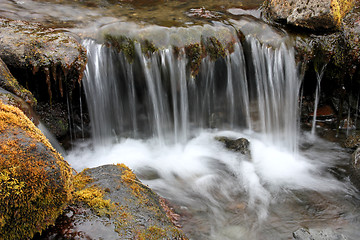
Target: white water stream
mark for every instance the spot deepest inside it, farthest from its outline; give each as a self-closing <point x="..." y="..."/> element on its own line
<point x="165" y="131"/>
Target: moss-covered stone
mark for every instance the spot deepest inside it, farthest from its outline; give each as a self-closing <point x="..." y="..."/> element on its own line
<point x="35" y="181"/>
<point x="317" y="15"/>
<point x="121" y="44"/>
<point x="13" y="100"/>
<point x="197" y="42"/>
<point x="194" y="53"/>
<point x="339" y="9"/>
<point x="121" y="207"/>
<point x="8" y="82"/>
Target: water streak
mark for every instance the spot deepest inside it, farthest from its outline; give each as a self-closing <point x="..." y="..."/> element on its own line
<point x="319" y="76"/>
<point x="158" y="93"/>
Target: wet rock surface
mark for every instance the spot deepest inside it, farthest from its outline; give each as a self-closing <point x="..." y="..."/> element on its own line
<point x="8" y="82"/>
<point x="241" y="145"/>
<point x="352" y="141"/>
<point x="314" y="15"/>
<point x="35" y="181"/>
<point x="111" y="203"/>
<point x="55" y="117"/>
<point x="13" y="100"/>
<point x="356" y="160"/>
<point x="44" y="59"/>
<point x="316" y="234"/>
<point x="355" y="167"/>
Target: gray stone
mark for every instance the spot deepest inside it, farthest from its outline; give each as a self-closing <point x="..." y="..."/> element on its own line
<point x="127" y="209"/>
<point x="316" y="234"/>
<point x="238" y="145"/>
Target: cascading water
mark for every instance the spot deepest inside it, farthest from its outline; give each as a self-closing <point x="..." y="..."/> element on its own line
<point x="171" y="100"/>
<point x="153" y="115"/>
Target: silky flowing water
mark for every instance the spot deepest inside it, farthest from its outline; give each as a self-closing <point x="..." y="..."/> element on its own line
<point x="153" y="115"/>
<point x="166" y="133"/>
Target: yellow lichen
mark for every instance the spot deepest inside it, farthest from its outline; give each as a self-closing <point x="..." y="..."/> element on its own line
<point x="152" y="233"/>
<point x="136" y="186"/>
<point x="94" y="198"/>
<point x="31" y="196"/>
<point x="81" y="180"/>
<point x="340" y="8"/>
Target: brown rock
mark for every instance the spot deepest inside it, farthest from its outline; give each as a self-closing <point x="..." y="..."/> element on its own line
<point x="313" y="15"/>
<point x="56" y="57"/>
<point x="8" y="82"/>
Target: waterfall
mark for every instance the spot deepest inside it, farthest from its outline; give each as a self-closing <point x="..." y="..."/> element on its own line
<point x="319" y="76"/>
<point x="152" y="113"/>
<point x="253" y="88"/>
<point x="277" y="87"/>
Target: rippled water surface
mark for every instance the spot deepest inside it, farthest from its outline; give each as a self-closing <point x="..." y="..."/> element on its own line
<point x="68" y="13"/>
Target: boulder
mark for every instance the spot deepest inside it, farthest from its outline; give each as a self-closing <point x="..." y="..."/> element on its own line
<point x="110" y="202"/>
<point x="238" y="145"/>
<point x="35" y="181"/>
<point x="314" y="15"/>
<point x="47" y="59"/>
<point x="316" y="234"/>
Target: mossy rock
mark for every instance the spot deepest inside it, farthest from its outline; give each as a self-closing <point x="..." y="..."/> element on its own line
<point x="8" y="82"/>
<point x="117" y="205"/>
<point x="35" y="181"/>
<point x="317" y="15"/>
<point x="11" y="99"/>
<point x="43" y="58"/>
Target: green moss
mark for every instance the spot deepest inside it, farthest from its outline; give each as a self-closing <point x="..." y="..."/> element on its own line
<point x="8" y="82"/>
<point x="194" y="54"/>
<point x="122" y="44"/>
<point x="148" y="48"/>
<point x="214" y="48"/>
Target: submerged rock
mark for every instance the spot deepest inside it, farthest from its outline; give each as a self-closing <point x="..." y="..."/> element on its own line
<point x="111" y="203"/>
<point x="315" y="234"/>
<point x="238" y="145"/>
<point x="35" y="181"/>
<point x="313" y="15"/>
<point x="37" y="53"/>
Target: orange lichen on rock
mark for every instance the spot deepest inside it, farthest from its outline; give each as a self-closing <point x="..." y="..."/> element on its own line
<point x="91" y="195"/>
<point x="35" y="181"/>
<point x="135" y="185"/>
<point x="340" y="8"/>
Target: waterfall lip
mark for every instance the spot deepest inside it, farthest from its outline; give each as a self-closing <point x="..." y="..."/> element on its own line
<point x="165" y="37"/>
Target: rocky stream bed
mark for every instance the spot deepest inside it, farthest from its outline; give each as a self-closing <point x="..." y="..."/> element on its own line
<point x="196" y="139"/>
